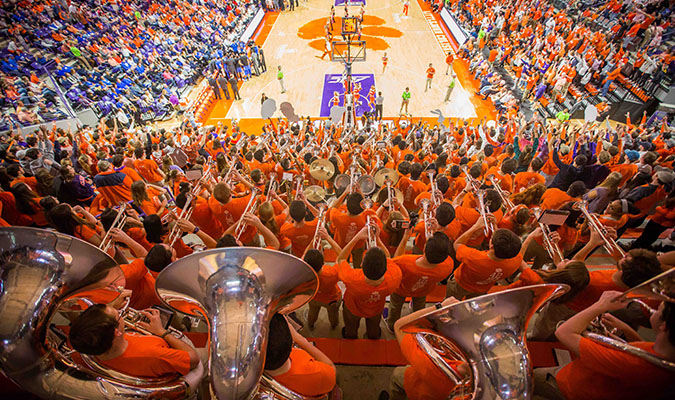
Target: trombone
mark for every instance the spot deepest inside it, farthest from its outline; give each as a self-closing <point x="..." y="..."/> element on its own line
<point x="610" y="245"/>
<point x="321" y="219"/>
<point x="506" y="201"/>
<point x="241" y="225"/>
<point x="552" y="248"/>
<point x="489" y="228"/>
<point x="107" y="243"/>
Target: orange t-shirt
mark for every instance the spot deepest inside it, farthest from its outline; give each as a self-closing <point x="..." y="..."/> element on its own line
<point x="149" y="357"/>
<point x="328" y="291"/>
<point x="523" y="180"/>
<point x="345" y="226"/>
<point x="300" y="237"/>
<point x="417" y="281"/>
<point x="424" y="380"/>
<point x="307" y="376"/>
<point x="141" y="284"/>
<point x="478" y="272"/>
<point x="554" y="198"/>
<point x="228" y="214"/>
<point x="365" y="300"/>
<point x="604" y="373"/>
<point x="430" y="72"/>
<point x="410" y="193"/>
<point x="600" y="281"/>
<point x="148" y="170"/>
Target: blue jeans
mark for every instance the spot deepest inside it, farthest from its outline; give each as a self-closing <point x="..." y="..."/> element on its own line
<point x="605" y="88"/>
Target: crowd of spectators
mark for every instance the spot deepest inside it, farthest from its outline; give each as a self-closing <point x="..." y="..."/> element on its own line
<point x="554" y="54"/>
<point x="132" y="59"/>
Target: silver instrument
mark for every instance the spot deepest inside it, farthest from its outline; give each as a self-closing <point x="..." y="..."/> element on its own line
<point x="551" y="248"/>
<point x="372" y="232"/>
<point x="436" y="195"/>
<point x="321" y="220"/>
<point x="425" y="204"/>
<point x="236" y="290"/>
<point x="661" y="288"/>
<point x="506" y="201"/>
<point x="39" y="272"/>
<point x="488" y="333"/>
<point x="241" y="225"/>
<point x="483" y="209"/>
<point x="610" y="245"/>
<point x="120" y="220"/>
<point x="298" y="186"/>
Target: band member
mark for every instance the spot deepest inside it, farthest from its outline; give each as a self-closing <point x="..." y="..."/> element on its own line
<point x="303" y="369"/>
<point x="99" y="331"/>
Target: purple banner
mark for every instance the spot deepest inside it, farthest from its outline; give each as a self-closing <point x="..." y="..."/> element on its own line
<point x="333" y="83"/>
<point x="349" y="2"/>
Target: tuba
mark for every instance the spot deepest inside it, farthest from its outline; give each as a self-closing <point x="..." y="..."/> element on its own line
<point x="488" y="332"/>
<point x="237" y="290"/>
<point x="40" y="271"/>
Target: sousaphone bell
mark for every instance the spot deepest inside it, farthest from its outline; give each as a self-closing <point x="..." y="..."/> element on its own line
<point x="488" y="332"/>
<point x="237" y="290"/>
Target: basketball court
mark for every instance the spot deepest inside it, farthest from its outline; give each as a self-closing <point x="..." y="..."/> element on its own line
<point x="294" y="40"/>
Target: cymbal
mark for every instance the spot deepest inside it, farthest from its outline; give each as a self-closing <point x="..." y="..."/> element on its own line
<point x="321" y="169"/>
<point x="383" y="174"/>
<point x="315" y="193"/>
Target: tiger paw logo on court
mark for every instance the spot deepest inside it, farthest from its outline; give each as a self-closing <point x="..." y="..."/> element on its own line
<point x="373" y="32"/>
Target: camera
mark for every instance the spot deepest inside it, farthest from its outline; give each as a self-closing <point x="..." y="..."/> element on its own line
<point x="401" y="224"/>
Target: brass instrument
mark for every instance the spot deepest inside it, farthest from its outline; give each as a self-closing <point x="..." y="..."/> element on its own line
<point x="241" y="225"/>
<point x="372" y="232"/>
<point x="42" y="271"/>
<point x="298" y="186"/>
<point x="488" y="333"/>
<point x="273" y="186"/>
<point x="236" y="290"/>
<point x="425" y="204"/>
<point x="436" y="195"/>
<point x="471" y="182"/>
<point x="551" y="248"/>
<point x="610" y="245"/>
<point x="321" y="220"/>
<point x="483" y="209"/>
<point x="390" y="196"/>
<point x="120" y="220"/>
<point x="506" y="201"/>
<point x="661" y="288"/>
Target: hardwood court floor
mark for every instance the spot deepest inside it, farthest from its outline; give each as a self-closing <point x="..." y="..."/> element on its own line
<point x="295" y="42"/>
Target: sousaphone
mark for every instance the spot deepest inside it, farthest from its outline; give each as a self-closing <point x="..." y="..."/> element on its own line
<point x="237" y="290"/>
<point x="40" y="271"/>
<point x="488" y="332"/>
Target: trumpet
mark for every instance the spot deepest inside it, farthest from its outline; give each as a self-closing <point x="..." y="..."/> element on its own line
<point x="426" y="213"/>
<point x="506" y="201"/>
<point x="489" y="228"/>
<point x="273" y="186"/>
<point x="354" y="175"/>
<point x="107" y="243"/>
<point x="298" y="186"/>
<point x="390" y="196"/>
<point x="471" y="182"/>
<point x="436" y="196"/>
<point x="610" y="245"/>
<point x="316" y="241"/>
<point x="372" y="231"/>
<point x="185" y="213"/>
<point x="241" y="225"/>
<point x="552" y="249"/>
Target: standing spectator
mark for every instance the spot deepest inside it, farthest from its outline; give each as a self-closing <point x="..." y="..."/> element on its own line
<point x="222" y="82"/>
<point x="234" y="87"/>
<point x="449" y="59"/>
<point x="430" y="75"/>
<point x="379" y="102"/>
<point x="280" y="77"/>
<point x="405" y="100"/>
<point x="451" y="87"/>
<point x="214" y="86"/>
